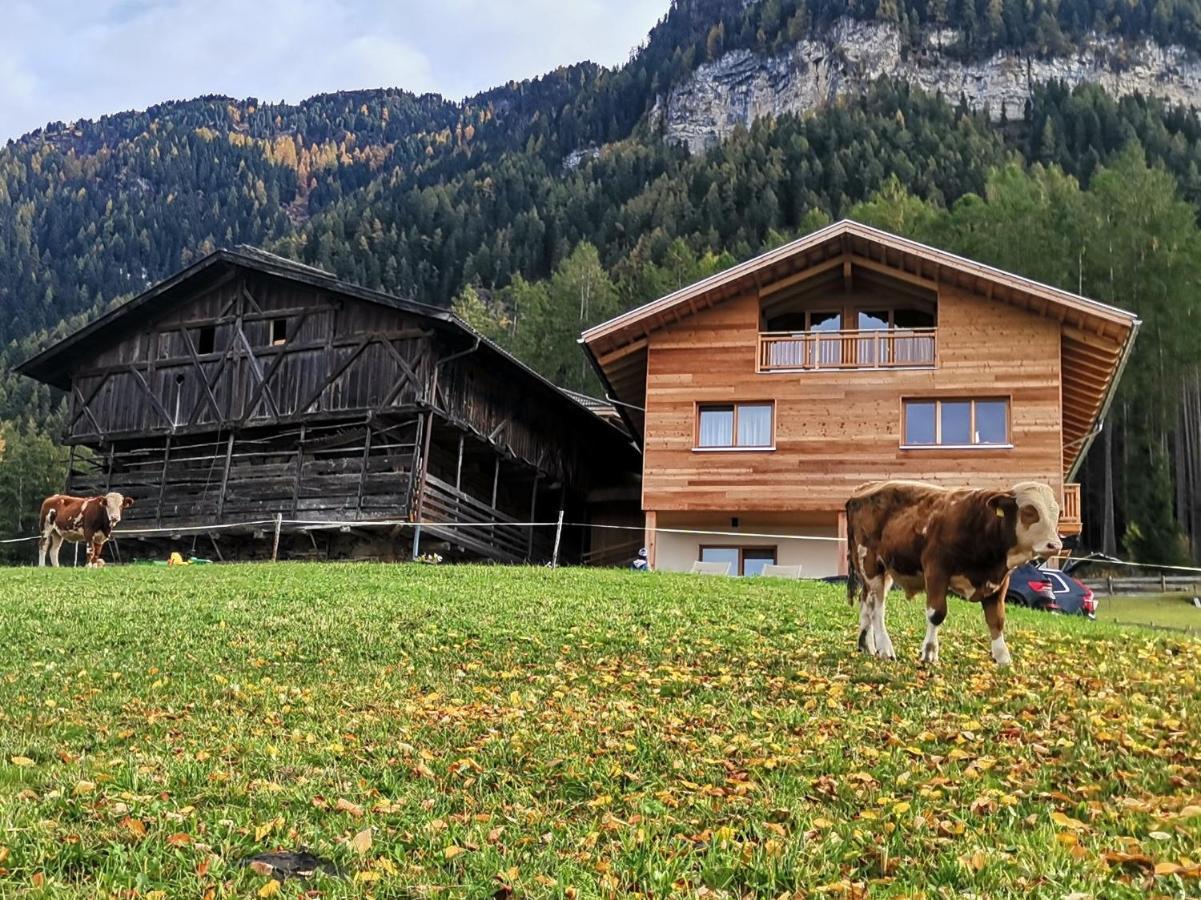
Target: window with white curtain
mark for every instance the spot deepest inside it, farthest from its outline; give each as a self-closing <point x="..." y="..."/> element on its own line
<point x="735" y="425"/>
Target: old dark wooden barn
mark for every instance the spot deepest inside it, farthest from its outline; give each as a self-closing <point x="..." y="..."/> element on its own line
<point x="248" y="387"/>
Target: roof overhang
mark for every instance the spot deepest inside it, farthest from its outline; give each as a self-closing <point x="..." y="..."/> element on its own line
<point x="54" y="364"/>
<point x="1096" y="338"/>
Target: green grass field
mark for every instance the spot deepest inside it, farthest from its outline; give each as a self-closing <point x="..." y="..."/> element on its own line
<point x="476" y="731"/>
<point x="1158" y="610"/>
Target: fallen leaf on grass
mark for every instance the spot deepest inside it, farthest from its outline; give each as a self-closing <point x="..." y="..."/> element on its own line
<point x="344" y="805"/>
<point x="136" y="827"/>
<point x="452" y="851"/>
<point x="23" y="761"/>
<point x="1067" y="822"/>
<point x="270" y="889"/>
<point x="1133" y="860"/>
<point x="179" y="839"/>
<point x="1171" y="868"/>
<point x="361" y="842"/>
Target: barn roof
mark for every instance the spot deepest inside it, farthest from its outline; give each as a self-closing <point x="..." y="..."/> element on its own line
<point x="1096" y="338"/>
<point x="53" y="365"/>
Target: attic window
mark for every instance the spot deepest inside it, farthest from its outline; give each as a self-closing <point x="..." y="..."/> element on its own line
<point x="279" y="332"/>
<point x="206" y="341"/>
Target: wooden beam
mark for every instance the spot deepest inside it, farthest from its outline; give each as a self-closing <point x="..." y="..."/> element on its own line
<point x="229" y="452"/>
<point x="529" y="550"/>
<point x="299" y="470"/>
<point x="70" y="468"/>
<point x="773" y="287"/>
<point x="651" y="537"/>
<point x="336" y="373"/>
<point x="871" y="265"/>
<point x="263" y="387"/>
<point x="621" y="352"/>
<point x="208" y="390"/>
<point x="83" y="405"/>
<point x="256" y="370"/>
<point x="162" y="411"/>
<point x="162" y="481"/>
<point x="358" y="503"/>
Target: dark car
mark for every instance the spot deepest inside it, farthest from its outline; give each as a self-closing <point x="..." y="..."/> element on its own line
<point x="1050" y="590"/>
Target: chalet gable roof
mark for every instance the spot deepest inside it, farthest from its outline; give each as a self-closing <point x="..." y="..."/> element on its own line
<point x="53" y="365"/>
<point x="1096" y="337"/>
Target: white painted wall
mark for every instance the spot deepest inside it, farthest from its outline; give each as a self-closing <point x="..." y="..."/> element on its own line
<point x="818" y="559"/>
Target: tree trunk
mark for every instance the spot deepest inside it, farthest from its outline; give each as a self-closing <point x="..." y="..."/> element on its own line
<point x="1109" y="536"/>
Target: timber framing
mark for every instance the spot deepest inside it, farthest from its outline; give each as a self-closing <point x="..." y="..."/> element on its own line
<point x="1096" y="339"/>
<point x="248" y="386"/>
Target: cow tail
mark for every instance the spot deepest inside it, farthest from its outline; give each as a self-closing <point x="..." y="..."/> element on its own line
<point x="853" y="583"/>
<point x="51" y="517"/>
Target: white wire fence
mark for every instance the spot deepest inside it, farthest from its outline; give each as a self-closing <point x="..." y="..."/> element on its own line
<point x="278" y="524"/>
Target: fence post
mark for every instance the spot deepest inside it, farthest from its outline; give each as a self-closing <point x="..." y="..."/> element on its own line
<point x="554" y="560"/>
<point x="1109" y="584"/>
<point x="1163" y="583"/>
<point x="279" y="521"/>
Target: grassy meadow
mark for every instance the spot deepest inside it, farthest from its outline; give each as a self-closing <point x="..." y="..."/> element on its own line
<point x="494" y="732"/>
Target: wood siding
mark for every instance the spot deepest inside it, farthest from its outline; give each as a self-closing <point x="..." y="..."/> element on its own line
<point x="835" y="430"/>
<point x="245" y="395"/>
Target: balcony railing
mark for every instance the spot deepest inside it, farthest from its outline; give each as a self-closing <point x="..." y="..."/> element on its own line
<point x="1069" y="513"/>
<point x="884" y="348"/>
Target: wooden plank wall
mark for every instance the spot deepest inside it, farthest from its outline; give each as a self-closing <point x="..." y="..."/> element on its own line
<point x="323" y="474"/>
<point x="338" y="358"/>
<point x="836" y="430"/>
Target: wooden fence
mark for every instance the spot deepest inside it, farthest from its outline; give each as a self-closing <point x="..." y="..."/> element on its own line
<point x="1115" y="585"/>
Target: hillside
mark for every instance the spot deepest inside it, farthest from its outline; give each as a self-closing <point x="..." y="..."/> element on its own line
<point x="735" y="126"/>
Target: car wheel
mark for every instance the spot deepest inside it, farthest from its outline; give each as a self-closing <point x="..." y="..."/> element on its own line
<point x="1015" y="599"/>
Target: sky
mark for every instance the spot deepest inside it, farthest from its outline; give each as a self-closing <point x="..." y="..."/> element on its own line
<point x="62" y="60"/>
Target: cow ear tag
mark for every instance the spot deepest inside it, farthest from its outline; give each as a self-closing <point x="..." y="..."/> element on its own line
<point x="1000" y="513"/>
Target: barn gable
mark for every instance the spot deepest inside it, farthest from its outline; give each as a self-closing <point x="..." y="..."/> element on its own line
<point x="249" y="385"/>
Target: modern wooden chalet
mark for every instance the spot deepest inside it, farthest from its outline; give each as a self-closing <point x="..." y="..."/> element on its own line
<point x="248" y="387"/>
<point x="764" y="395"/>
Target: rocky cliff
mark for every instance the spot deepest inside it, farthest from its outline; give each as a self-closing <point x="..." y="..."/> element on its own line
<point x="739" y="86"/>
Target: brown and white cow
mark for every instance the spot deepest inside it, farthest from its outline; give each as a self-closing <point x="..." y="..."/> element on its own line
<point x="87" y="519"/>
<point x="935" y="539"/>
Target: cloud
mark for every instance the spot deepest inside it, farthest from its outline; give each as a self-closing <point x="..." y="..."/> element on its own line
<point x="69" y="59"/>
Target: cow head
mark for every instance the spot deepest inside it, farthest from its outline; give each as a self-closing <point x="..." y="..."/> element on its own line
<point x="114" y="505"/>
<point x="1036" y="514"/>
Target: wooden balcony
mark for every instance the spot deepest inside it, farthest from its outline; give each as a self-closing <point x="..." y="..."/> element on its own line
<point x="1070" y="522"/>
<point x="806" y="351"/>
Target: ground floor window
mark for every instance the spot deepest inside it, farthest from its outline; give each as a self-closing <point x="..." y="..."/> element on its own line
<point x="742" y="560"/>
<point x="966" y="422"/>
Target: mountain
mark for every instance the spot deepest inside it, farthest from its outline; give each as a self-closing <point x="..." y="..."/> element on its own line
<point x="737" y="124"/>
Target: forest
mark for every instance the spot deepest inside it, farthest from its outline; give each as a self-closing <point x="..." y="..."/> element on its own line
<point x="541" y="207"/>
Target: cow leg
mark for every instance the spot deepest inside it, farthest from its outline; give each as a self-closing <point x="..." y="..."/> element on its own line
<point x="95" y="547"/>
<point x="43" y="548"/>
<point x="867" y="634"/>
<point x="873" y="639"/>
<point x="936" y="612"/>
<point x="56" y="544"/>
<point x="883" y="641"/>
<point x="994" y="615"/>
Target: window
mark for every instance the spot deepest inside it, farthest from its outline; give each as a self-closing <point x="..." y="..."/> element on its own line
<point x="956" y="423"/>
<point x="734" y="426"/>
<point x="742" y="560"/>
<point x="206" y="340"/>
<point x="279" y="332"/>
